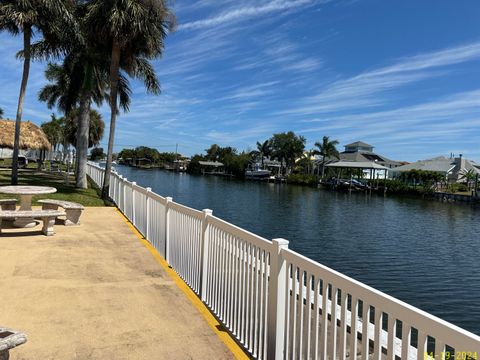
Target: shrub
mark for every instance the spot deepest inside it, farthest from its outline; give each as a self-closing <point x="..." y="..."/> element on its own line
<point x="302" y="179"/>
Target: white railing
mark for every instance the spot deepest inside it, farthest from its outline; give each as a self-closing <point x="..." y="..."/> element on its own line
<point x="279" y="304"/>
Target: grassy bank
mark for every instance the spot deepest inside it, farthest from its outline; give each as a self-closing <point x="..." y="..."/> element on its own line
<point x="86" y="197"/>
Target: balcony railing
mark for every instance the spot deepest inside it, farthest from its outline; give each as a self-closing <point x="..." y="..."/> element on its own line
<point x="277" y="303"/>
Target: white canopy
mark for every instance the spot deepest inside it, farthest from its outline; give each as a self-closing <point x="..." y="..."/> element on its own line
<point x="357" y="165"/>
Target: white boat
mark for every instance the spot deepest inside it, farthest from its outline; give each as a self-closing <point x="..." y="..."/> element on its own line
<point x="256" y="172"/>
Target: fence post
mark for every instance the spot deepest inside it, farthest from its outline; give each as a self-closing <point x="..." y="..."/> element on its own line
<point x="133" y="220"/>
<point x="147" y="212"/>
<point x="119" y="192"/>
<point x="111" y="186"/>
<point x="204" y="254"/>
<point x="276" y="300"/>
<point x="124" y="198"/>
<point x="167" y="229"/>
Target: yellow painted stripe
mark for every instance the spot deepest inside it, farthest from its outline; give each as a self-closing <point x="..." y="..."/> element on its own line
<point x="232" y="345"/>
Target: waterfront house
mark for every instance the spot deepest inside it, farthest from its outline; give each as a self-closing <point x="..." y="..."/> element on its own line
<point x="361" y="152"/>
<point x="452" y="168"/>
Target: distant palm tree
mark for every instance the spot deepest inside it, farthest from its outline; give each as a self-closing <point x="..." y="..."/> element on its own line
<point x="469" y="176"/>
<point x="326" y="148"/>
<point x="264" y="149"/>
<point x="25" y="17"/>
<point x="307" y="157"/>
<point x="53" y="129"/>
<point x="134" y="30"/>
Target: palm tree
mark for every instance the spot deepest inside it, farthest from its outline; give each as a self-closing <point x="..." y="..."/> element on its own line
<point x="307" y="157"/>
<point x="81" y="79"/>
<point x="95" y="130"/>
<point x="134" y="31"/>
<point x="25" y="17"/>
<point x="264" y="149"/>
<point x="54" y="131"/>
<point x="327" y="148"/>
<point x="287" y="147"/>
<point x="469" y="176"/>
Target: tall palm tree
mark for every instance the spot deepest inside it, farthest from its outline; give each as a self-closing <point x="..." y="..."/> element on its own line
<point x="264" y="149"/>
<point x="26" y="17"/>
<point x="134" y="31"/>
<point x="327" y="148"/>
<point x="81" y="79"/>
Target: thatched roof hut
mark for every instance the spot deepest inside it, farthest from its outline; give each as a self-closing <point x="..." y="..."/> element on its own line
<point x="31" y="136"/>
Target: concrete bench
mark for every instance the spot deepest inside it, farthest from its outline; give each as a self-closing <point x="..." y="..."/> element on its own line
<point x="8" y="340"/>
<point x="8" y="204"/>
<point x="47" y="216"/>
<point x="73" y="210"/>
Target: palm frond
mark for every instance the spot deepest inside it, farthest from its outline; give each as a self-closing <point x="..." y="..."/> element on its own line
<point x="143" y="70"/>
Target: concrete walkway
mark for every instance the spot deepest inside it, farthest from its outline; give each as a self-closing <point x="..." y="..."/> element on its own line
<point x="95" y="292"/>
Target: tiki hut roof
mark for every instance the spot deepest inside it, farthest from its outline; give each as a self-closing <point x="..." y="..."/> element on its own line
<point x="31" y="136"/>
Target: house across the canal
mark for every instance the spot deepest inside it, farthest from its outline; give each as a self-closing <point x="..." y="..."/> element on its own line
<point x="454" y="168"/>
<point x="362" y="153"/>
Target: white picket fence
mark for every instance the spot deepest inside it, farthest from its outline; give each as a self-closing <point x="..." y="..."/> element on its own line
<point x="277" y="303"/>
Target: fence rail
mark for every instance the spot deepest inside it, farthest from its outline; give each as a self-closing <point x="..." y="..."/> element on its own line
<point x="277" y="303"/>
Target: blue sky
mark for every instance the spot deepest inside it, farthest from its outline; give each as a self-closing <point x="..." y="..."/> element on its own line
<point x="403" y="76"/>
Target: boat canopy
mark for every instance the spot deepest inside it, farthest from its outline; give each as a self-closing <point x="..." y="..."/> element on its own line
<point x="357" y="165"/>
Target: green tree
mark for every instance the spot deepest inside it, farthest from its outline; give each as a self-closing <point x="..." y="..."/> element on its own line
<point x="97" y="154"/>
<point x="306" y="161"/>
<point x="134" y="31"/>
<point x="326" y="149"/>
<point x="81" y="79"/>
<point x="1" y="112"/>
<point x="264" y="149"/>
<point x="213" y="152"/>
<point x="470" y="177"/>
<point x="194" y="166"/>
<point x="54" y="130"/>
<point x="27" y="17"/>
<point x="287" y="147"/>
<point x="95" y="132"/>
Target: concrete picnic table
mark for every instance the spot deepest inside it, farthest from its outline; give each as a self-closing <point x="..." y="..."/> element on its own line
<point x="26" y="192"/>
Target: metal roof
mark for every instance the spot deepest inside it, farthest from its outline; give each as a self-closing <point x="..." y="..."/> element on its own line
<point x="439" y="164"/>
<point x="357" y="165"/>
<point x="210" y="163"/>
<point x="359" y="143"/>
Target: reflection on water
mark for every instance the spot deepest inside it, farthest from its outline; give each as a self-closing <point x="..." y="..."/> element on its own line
<point x="423" y="252"/>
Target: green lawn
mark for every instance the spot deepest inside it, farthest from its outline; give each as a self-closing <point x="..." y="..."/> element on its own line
<point x="88" y="197"/>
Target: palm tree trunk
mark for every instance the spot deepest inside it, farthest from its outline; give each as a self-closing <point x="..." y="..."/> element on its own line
<point x="114" y="75"/>
<point x="27" y="36"/>
<point x="323" y="166"/>
<point x="82" y="141"/>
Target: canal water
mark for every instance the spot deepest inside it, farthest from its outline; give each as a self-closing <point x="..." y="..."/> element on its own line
<point x="423" y="252"/>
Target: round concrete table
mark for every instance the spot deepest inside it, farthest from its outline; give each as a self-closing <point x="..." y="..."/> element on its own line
<point x="26" y="193"/>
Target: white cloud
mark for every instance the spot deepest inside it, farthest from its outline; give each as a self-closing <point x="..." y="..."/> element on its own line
<point x="245" y="12"/>
<point x="446" y="122"/>
<point x="368" y="89"/>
